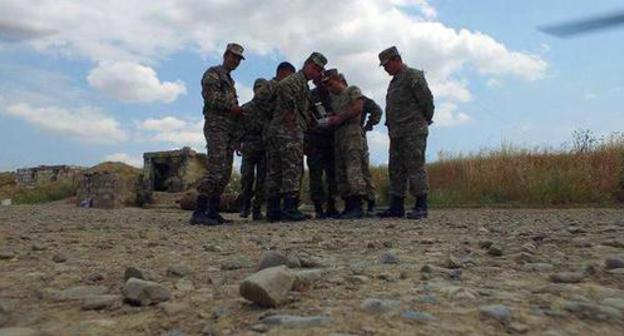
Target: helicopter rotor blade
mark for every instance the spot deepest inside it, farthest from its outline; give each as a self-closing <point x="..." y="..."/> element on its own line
<point x="572" y="28"/>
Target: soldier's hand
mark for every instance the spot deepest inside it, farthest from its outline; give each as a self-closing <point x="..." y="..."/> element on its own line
<point x="334" y="121"/>
<point x="236" y="110"/>
<point x="323" y="122"/>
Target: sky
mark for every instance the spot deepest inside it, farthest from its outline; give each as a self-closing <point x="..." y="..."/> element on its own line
<point x="82" y="82"/>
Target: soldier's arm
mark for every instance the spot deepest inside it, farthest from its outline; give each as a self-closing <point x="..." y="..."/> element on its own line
<point x="214" y="97"/>
<point x="423" y="94"/>
<point x="288" y="105"/>
<point x="374" y="112"/>
<point x="353" y="110"/>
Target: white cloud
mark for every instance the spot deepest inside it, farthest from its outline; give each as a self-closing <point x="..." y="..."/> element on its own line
<point x="446" y="115"/>
<point x="173" y="131"/>
<point x="85" y="123"/>
<point x="378" y="145"/>
<point x="353" y="32"/>
<point x="494" y="83"/>
<point x="135" y="161"/>
<point x="133" y="83"/>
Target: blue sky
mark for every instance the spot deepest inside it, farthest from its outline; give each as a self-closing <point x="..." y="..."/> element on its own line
<point x="81" y="82"/>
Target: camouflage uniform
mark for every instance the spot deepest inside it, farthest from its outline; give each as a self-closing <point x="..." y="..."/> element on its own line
<point x="219" y="129"/>
<point x="350" y="147"/>
<point x="374" y="112"/>
<point x="319" y="144"/>
<point x="253" y="165"/>
<point x="409" y="109"/>
<point x="285" y="135"/>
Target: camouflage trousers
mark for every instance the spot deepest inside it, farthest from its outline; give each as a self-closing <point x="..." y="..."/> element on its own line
<point x="320" y="162"/>
<point x="219" y="143"/>
<point x="407" y="164"/>
<point x="253" y="169"/>
<point x="284" y="164"/>
<point x="371" y="192"/>
<point x="349" y="146"/>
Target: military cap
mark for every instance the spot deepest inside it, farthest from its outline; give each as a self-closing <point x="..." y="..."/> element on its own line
<point x="318" y="59"/>
<point x="329" y="74"/>
<point x="259" y="82"/>
<point x="387" y="54"/>
<point x="235" y="49"/>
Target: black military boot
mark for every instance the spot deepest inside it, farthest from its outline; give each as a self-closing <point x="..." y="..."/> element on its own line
<point x="200" y="215"/>
<point x="291" y="213"/>
<point x="274" y="209"/>
<point x="355" y="208"/>
<point x="420" y="208"/>
<point x="396" y="209"/>
<point x="256" y="214"/>
<point x="213" y="210"/>
<point x="331" y="208"/>
<point x="370" y="210"/>
<point x="318" y="210"/>
<point x="244" y="213"/>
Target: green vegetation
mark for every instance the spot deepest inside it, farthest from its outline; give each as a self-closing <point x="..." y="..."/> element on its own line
<point x="44" y="193"/>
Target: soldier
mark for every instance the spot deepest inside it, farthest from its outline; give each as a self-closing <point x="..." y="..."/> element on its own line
<point x="256" y="117"/>
<point x="285" y="140"/>
<point x="347" y="104"/>
<point x="409" y="112"/>
<point x="373" y="112"/>
<point x="319" y="151"/>
<point x="220" y="112"/>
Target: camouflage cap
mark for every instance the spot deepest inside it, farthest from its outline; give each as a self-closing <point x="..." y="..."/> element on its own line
<point x="318" y="59"/>
<point x="387" y="54"/>
<point x="235" y="49"/>
<point x="259" y="82"/>
<point x="329" y="74"/>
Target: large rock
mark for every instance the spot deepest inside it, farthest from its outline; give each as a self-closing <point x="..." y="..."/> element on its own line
<point x="142" y="293"/>
<point x="269" y="287"/>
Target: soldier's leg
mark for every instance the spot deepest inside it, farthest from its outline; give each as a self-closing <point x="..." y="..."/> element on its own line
<point x="247" y="181"/>
<point x="355" y="179"/>
<point x="260" y="190"/>
<point x="291" y="157"/>
<point x="368" y="179"/>
<point x="211" y="186"/>
<point x="330" y="179"/>
<point x="398" y="180"/>
<point x="416" y="144"/>
<point x="273" y="181"/>
<point x="315" y="171"/>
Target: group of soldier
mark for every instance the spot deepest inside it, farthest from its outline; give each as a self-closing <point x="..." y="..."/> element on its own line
<point x="286" y="121"/>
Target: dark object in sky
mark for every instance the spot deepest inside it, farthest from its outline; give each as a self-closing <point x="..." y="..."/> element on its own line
<point x="568" y="29"/>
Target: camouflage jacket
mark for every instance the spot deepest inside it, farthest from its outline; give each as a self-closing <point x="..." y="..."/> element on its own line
<point x="350" y="127"/>
<point x="409" y="103"/>
<point x="219" y="95"/>
<point x="291" y="116"/>
<point x="318" y="137"/>
<point x="372" y="110"/>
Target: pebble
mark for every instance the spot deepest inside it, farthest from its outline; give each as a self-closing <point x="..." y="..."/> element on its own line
<point x="453" y="262"/>
<point x="143" y="293"/>
<point x="38" y="246"/>
<point x="518" y="328"/>
<point x="380" y="306"/>
<point x="178" y="271"/>
<point x="418" y="316"/>
<point x="567" y="277"/>
<point x="135" y="272"/>
<point x="173" y="308"/>
<point x="269" y="287"/>
<point x="231" y="265"/>
<point x="358" y="279"/>
<point x="613" y="262"/>
<point x="293" y="321"/>
<point x="389" y="258"/>
<point x="592" y="311"/>
<point x="499" y="313"/>
<point x="495" y="251"/>
<point x="307" y="277"/>
<point x="94" y="277"/>
<point x="99" y="302"/>
<point x="272" y="259"/>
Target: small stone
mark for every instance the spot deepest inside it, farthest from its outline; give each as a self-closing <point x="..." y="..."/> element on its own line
<point x="59" y="258"/>
<point x="95" y="277"/>
<point x="135" y="272"/>
<point x="380" y="306"/>
<point x="358" y="279"/>
<point x="99" y="302"/>
<point x="178" y="271"/>
<point x="614" y="262"/>
<point x="538" y="267"/>
<point x="495" y="251"/>
<point x="259" y="328"/>
<point x="272" y="259"/>
<point x="306" y="278"/>
<point x="307" y="261"/>
<point x="576" y="230"/>
<point x="463" y="294"/>
<point x="567" y="277"/>
<point x="529" y="248"/>
<point x="38" y="246"/>
<point x="269" y="287"/>
<point x="358" y="268"/>
<point x="184" y="285"/>
<point x="292" y="321"/>
<point x="173" y="308"/>
<point x="17" y="331"/>
<point x="6" y="254"/>
<point x="499" y="313"/>
<point x="518" y="328"/>
<point x="212" y="248"/>
<point x="453" y="263"/>
<point x="142" y="293"/>
<point x="418" y="316"/>
<point x="389" y="258"/>
<point x="592" y="311"/>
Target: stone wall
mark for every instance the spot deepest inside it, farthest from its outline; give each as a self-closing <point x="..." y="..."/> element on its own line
<point x="33" y="177"/>
<point x="106" y="190"/>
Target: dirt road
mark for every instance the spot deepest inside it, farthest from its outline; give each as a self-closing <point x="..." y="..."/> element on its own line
<point x="461" y="272"/>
